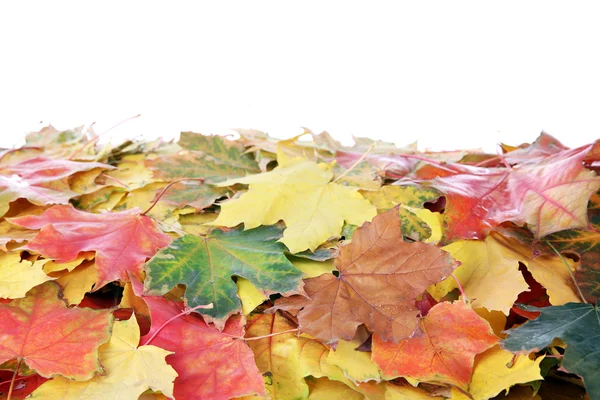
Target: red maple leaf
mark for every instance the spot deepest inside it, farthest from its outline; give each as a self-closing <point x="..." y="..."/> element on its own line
<point x="548" y="194"/>
<point x="442" y="351"/>
<point x="211" y="364"/>
<point x="122" y="240"/>
<point x="40" y="180"/>
<point x="50" y="337"/>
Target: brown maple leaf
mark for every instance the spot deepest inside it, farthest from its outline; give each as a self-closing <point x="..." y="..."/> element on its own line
<point x="380" y="277"/>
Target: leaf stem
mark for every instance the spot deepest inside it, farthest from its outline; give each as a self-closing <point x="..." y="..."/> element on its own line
<point x="165" y="189"/>
<point x="12" y="381"/>
<point x="356" y="162"/>
<point x="185" y="312"/>
<point x="568" y="269"/>
<point x="480" y="163"/>
<point x="94" y="140"/>
<point x="114" y="179"/>
<point x="270" y="335"/>
<point x="462" y="291"/>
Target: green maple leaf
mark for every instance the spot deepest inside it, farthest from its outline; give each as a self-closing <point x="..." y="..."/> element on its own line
<point x="208" y="157"/>
<point x="206" y="266"/>
<point x="578" y="325"/>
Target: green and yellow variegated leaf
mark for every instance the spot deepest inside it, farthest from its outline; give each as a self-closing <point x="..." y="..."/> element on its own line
<point x="209" y="157"/>
<point x="408" y="196"/>
<point x="206" y="266"/>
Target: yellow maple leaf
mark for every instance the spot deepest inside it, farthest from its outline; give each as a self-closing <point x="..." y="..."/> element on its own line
<point x="490" y="276"/>
<point x="249" y="295"/>
<point x="78" y="282"/>
<point x="300" y="194"/>
<point x="130" y="370"/>
<point x="495" y="371"/>
<point x="285" y="360"/>
<point x="18" y="276"/>
<point x="357" y="365"/>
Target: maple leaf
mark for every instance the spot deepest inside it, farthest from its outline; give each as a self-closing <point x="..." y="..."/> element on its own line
<point x="443" y="350"/>
<point x="497" y="370"/>
<point x="586" y="245"/>
<point x="77" y="283"/>
<point x="544" y="146"/>
<point x="122" y="240"/>
<point x="12" y="233"/>
<point x="548" y="194"/>
<point x="206" y="266"/>
<point x="227" y="368"/>
<point x="18" y="276"/>
<point x="129" y="370"/>
<point x="392" y="166"/>
<point x="287" y="361"/>
<point x="198" y="196"/>
<point x="491" y="278"/>
<point x="51" y="338"/>
<point x="577" y="325"/>
<point x="210" y="157"/>
<point x="301" y="195"/>
<point x="380" y="277"/>
<point x="40" y="180"/>
<point x="409" y="197"/>
<point x="554" y="192"/>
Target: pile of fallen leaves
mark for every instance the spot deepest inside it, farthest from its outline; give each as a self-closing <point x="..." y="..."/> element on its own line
<point x="215" y="269"/>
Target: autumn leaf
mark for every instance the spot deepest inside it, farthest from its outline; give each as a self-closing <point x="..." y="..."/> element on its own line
<point x="585" y="244"/>
<point x="442" y="351"/>
<point x="548" y="195"/>
<point x="122" y="240"/>
<point x="10" y="233"/>
<point x="388" y="165"/>
<point x="380" y="277"/>
<point x="209" y="157"/>
<point x="206" y="266"/>
<point x="287" y="361"/>
<point x="491" y="278"/>
<point x="210" y="363"/>
<point x="51" y="338"/>
<point x="199" y="196"/>
<point x="301" y="195"/>
<point x="40" y="180"/>
<point x="575" y="324"/>
<point x="497" y="370"/>
<point x="129" y="370"/>
<point x="77" y="283"/>
<point x="554" y="192"/>
<point x="488" y="278"/>
<point x="409" y="197"/>
<point x="544" y="146"/>
<point x="18" y="276"/>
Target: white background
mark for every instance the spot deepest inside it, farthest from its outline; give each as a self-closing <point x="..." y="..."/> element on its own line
<point x="448" y="74"/>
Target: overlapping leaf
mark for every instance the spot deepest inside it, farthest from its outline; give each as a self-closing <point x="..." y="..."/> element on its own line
<point x="209" y="157"/>
<point x="40" y="180"/>
<point x="122" y="240"/>
<point x="577" y="325"/>
<point x="206" y="266"/>
<point x="51" y="338"/>
<point x="380" y="277"/>
<point x="129" y="370"/>
<point x="443" y="350"/>
<point x="209" y="363"/>
<point x="300" y="194"/>
<point x="548" y="195"/>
